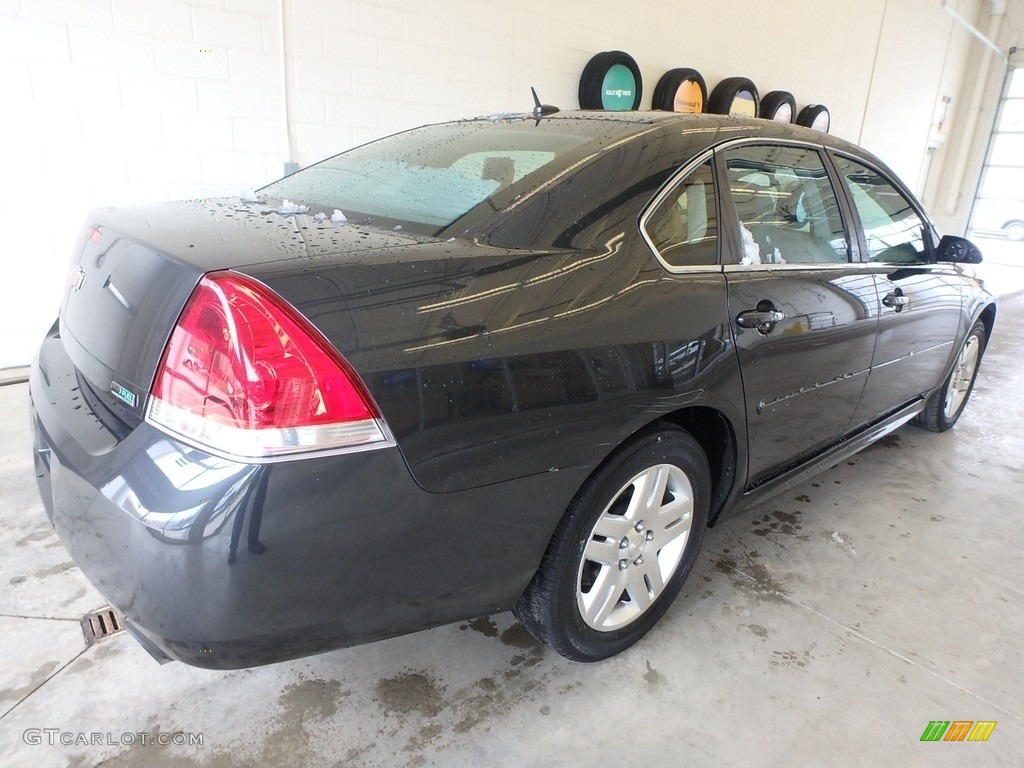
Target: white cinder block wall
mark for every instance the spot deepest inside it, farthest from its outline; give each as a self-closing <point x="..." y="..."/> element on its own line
<point x="112" y="102"/>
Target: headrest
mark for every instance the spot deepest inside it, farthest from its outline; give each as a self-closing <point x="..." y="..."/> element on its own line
<point x="753" y="203"/>
<point x="500" y="169"/>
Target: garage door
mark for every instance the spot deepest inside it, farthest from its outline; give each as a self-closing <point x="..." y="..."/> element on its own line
<point x="999" y="206"/>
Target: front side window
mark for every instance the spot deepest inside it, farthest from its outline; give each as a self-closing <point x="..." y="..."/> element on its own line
<point x="893" y="230"/>
<point x="683" y="228"/>
<point x="786" y="206"/>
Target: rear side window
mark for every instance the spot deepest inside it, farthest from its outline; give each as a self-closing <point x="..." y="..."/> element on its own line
<point x="893" y="230"/>
<point x="683" y="228"/>
<point x="787" y="208"/>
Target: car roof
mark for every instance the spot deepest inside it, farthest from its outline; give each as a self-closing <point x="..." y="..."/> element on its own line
<point x="719" y="128"/>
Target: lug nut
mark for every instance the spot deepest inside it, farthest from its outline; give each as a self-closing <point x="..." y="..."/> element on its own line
<point x="639" y="527"/>
<point x="624" y="544"/>
<point x="623" y="564"/>
<point x="639" y="560"/>
<point x="650" y="535"/>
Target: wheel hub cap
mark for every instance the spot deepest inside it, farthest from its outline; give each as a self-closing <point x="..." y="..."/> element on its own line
<point x="635" y="547"/>
<point x="635" y="544"/>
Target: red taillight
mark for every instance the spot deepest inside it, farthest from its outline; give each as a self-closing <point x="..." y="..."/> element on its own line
<point x="245" y="375"/>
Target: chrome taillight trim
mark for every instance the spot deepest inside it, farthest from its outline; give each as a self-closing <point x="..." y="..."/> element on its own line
<point x="266" y="446"/>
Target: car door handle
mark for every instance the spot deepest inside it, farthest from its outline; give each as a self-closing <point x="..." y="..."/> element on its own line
<point x="761" y="319"/>
<point x="896" y="299"/>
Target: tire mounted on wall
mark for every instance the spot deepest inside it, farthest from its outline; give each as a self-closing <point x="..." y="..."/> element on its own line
<point x="778" y="106"/>
<point x="611" y="80"/>
<point x="681" y="90"/>
<point x="734" y="96"/>
<point x="815" y="116"/>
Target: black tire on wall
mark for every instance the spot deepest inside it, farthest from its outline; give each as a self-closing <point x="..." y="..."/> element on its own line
<point x="778" y="106"/>
<point x="608" y="72"/>
<point x="679" y="89"/>
<point x="734" y="96"/>
<point x="815" y="116"/>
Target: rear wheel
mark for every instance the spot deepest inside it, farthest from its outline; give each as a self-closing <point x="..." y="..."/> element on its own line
<point x="622" y="551"/>
<point x="947" y="402"/>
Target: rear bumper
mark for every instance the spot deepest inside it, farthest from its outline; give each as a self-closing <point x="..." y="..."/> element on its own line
<point x="225" y="565"/>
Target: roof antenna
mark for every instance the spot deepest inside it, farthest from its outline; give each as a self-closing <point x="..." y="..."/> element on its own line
<point x="541" y="110"/>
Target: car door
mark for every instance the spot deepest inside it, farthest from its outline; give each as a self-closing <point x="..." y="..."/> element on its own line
<point x="802" y="314"/>
<point x="919" y="300"/>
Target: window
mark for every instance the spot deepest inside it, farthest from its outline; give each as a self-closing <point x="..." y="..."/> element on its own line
<point x="683" y="228"/>
<point x="894" y="232"/>
<point x="787" y="208"/>
<point x="999" y="206"/>
<point x="426" y="179"/>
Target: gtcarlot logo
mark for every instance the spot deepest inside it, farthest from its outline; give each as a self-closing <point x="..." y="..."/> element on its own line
<point x="54" y="736"/>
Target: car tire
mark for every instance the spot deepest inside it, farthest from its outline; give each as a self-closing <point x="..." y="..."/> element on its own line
<point x="680" y="84"/>
<point x="778" y="106"/>
<point x="592" y="81"/>
<point x="614" y="567"/>
<point x="728" y="92"/>
<point x="948" y="401"/>
<point x="815" y="116"/>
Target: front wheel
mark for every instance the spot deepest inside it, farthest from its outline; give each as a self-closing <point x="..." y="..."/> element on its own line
<point x="622" y="551"/>
<point x="947" y="402"/>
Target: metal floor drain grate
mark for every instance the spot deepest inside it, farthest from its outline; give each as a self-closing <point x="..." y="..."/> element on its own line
<point x="101" y="624"/>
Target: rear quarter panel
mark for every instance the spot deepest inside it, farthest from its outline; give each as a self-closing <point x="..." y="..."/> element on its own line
<point x="495" y="365"/>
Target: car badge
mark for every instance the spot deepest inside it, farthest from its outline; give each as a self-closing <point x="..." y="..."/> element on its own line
<point x="123" y="393"/>
<point x="77" y="279"/>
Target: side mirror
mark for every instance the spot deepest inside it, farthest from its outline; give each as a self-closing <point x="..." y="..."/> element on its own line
<point x="958" y="250"/>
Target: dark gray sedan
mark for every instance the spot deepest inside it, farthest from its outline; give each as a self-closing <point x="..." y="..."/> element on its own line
<point x="517" y="362"/>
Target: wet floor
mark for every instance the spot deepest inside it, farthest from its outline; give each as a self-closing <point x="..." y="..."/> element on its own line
<point x="829" y="626"/>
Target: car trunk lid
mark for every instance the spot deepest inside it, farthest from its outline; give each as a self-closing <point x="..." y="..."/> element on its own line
<point x="136" y="268"/>
<point x="119" y="307"/>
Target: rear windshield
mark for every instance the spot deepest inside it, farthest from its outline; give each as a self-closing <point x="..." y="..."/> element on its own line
<point x="428" y="178"/>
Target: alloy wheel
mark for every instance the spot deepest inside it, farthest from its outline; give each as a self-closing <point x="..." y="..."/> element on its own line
<point x="635" y="547"/>
<point x="963" y="375"/>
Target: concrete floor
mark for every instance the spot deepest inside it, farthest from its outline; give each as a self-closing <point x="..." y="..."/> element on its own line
<point x="827" y="627"/>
